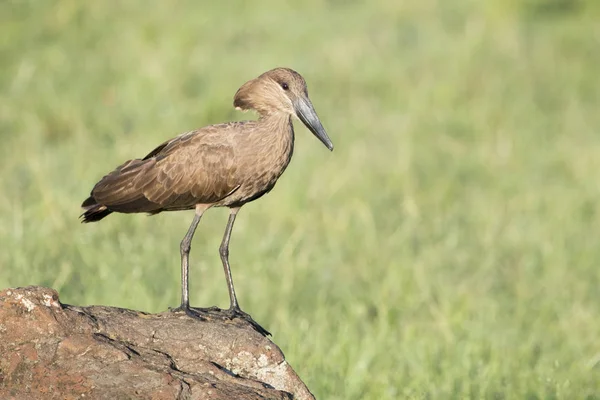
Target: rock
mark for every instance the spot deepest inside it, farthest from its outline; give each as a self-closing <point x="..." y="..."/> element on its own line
<point x="50" y="350"/>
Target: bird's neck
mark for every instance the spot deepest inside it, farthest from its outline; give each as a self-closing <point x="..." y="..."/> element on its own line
<point x="276" y="133"/>
<point x="278" y="124"/>
<point x="274" y="119"/>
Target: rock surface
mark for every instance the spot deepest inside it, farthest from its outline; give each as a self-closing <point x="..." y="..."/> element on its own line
<point x="49" y="350"/>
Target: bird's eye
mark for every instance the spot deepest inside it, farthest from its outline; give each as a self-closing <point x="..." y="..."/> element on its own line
<point x="285" y="86"/>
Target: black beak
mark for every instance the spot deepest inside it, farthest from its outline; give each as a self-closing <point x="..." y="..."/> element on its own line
<point x="307" y="114"/>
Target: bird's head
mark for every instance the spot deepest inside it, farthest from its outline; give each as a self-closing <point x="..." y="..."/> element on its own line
<point x="281" y="90"/>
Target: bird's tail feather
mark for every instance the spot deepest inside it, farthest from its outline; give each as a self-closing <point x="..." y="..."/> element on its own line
<point x="93" y="211"/>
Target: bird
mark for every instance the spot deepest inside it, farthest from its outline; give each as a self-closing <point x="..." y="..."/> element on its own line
<point x="222" y="165"/>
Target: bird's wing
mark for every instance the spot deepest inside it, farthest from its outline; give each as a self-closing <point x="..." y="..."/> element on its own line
<point x="195" y="167"/>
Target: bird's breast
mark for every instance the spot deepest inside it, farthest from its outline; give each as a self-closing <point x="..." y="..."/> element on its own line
<point x="261" y="164"/>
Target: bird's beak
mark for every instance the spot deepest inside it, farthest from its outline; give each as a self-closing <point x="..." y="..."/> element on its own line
<point x="307" y="114"/>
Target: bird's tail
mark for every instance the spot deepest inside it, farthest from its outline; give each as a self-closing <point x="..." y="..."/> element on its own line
<point x="93" y="211"/>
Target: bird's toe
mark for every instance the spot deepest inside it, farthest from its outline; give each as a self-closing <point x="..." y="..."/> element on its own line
<point x="190" y="312"/>
<point x="236" y="312"/>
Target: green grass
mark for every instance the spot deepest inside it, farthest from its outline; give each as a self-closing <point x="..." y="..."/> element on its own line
<point x="447" y="249"/>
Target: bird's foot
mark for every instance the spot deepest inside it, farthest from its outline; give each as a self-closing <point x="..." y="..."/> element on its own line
<point x="204" y="314"/>
<point x="190" y="312"/>
<point x="236" y="312"/>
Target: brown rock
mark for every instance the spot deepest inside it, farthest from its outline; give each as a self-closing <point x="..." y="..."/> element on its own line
<point x="53" y="351"/>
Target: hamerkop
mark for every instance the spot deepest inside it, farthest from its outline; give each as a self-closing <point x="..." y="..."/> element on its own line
<point x="224" y="165"/>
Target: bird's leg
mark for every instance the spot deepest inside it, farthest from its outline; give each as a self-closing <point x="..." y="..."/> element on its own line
<point x="224" y="252"/>
<point x="234" y="307"/>
<point x="185" y="247"/>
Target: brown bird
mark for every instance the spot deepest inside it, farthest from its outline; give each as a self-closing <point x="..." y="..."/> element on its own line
<point x="224" y="165"/>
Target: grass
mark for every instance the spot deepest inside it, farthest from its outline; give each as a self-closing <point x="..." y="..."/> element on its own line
<point x="448" y="247"/>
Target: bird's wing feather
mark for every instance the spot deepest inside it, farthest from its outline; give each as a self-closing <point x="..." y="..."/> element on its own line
<point x="195" y="167"/>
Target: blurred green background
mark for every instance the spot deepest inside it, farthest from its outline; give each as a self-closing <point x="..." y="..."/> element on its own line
<point x="447" y="248"/>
